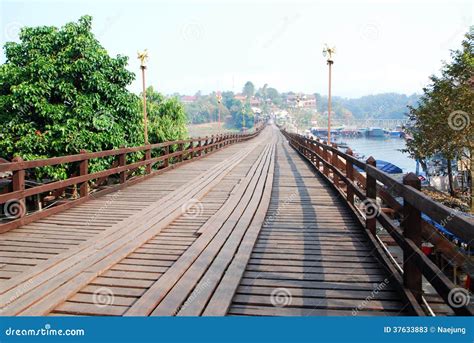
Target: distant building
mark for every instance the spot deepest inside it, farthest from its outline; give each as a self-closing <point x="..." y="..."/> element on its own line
<point x="302" y="101"/>
<point x="240" y="97"/>
<point x="253" y="100"/>
<point x="188" y="99"/>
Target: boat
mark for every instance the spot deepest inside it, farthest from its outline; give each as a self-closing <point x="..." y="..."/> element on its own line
<point x="384" y="166"/>
<point x="397" y="133"/>
<point x="375" y="132"/>
<point x="388" y="167"/>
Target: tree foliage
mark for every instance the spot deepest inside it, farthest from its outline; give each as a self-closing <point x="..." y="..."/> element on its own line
<point x="61" y="92"/>
<point x="249" y="89"/>
<point x="442" y="121"/>
<point x="166" y="117"/>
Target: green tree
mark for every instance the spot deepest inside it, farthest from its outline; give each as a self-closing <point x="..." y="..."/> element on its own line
<point x="249" y="89"/>
<point x="442" y="121"/>
<point x="166" y="117"/>
<point x="61" y="92"/>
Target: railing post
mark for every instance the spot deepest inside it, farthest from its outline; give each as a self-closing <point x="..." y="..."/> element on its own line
<point x="147" y="158"/>
<point x="318" y="152"/>
<point x="312" y="150"/>
<point x="122" y="162"/>
<point x="371" y="193"/>
<point x="166" y="161"/>
<point x="350" y="176"/>
<point x="198" y="146"/>
<point x="181" y="149"/>
<point x="191" y="152"/>
<point x="18" y="183"/>
<point x="334" y="160"/>
<point x="325" y="157"/>
<point x="206" y="143"/>
<point x="84" y="170"/>
<point x="412" y="277"/>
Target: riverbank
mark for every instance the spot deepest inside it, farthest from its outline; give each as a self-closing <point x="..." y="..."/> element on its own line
<point x="207" y="129"/>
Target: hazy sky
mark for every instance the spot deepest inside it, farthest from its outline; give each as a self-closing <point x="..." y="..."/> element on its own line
<point x="382" y="46"/>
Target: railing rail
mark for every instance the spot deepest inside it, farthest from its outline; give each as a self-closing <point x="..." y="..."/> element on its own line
<point x="164" y="159"/>
<point x="338" y="168"/>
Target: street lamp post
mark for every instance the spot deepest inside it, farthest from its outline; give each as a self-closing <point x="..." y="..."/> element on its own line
<point x="219" y="100"/>
<point x="329" y="52"/>
<point x="143" y="57"/>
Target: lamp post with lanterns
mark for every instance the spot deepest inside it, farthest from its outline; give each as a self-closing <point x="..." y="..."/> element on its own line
<point x="143" y="57"/>
<point x="328" y="53"/>
<point x="219" y="100"/>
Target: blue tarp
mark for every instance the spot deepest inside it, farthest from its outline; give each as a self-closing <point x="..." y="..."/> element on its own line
<point x="385" y="167"/>
<point x="388" y="167"/>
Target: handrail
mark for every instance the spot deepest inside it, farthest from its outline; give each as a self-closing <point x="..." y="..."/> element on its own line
<point x="187" y="150"/>
<point x="338" y="168"/>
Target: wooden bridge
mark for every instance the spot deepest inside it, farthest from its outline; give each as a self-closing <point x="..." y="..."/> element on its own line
<point x="264" y="223"/>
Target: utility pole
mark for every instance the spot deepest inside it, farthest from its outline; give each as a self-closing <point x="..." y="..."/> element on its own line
<point x="329" y="52"/>
<point x="219" y="100"/>
<point x="143" y="57"/>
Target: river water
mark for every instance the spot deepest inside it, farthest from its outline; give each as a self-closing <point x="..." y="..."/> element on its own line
<point x="381" y="148"/>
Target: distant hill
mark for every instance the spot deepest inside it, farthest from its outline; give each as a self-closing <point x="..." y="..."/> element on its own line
<point x="378" y="106"/>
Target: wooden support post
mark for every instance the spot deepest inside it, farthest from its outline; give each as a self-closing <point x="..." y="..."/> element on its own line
<point x="325" y="157"/>
<point x="318" y="152"/>
<point x="371" y="193"/>
<point x="206" y="143"/>
<point x="334" y="162"/>
<point x="199" y="152"/>
<point x="166" y="161"/>
<point x="147" y="158"/>
<point x="412" y="277"/>
<point x="18" y="183"/>
<point x="313" y="158"/>
<point x="190" y="148"/>
<point x="350" y="176"/>
<point x="181" y="149"/>
<point x="84" y="170"/>
<point x="122" y="162"/>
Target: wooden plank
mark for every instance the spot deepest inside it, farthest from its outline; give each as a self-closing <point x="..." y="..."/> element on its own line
<point x="212" y="177"/>
<point x="223" y="276"/>
<point x="146" y="304"/>
<point x="212" y="262"/>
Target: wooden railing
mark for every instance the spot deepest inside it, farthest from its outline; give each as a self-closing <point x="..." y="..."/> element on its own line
<point x="166" y="156"/>
<point x="339" y="168"/>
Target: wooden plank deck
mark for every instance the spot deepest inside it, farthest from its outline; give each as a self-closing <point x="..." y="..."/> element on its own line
<point x="249" y="230"/>
<point x="311" y="257"/>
